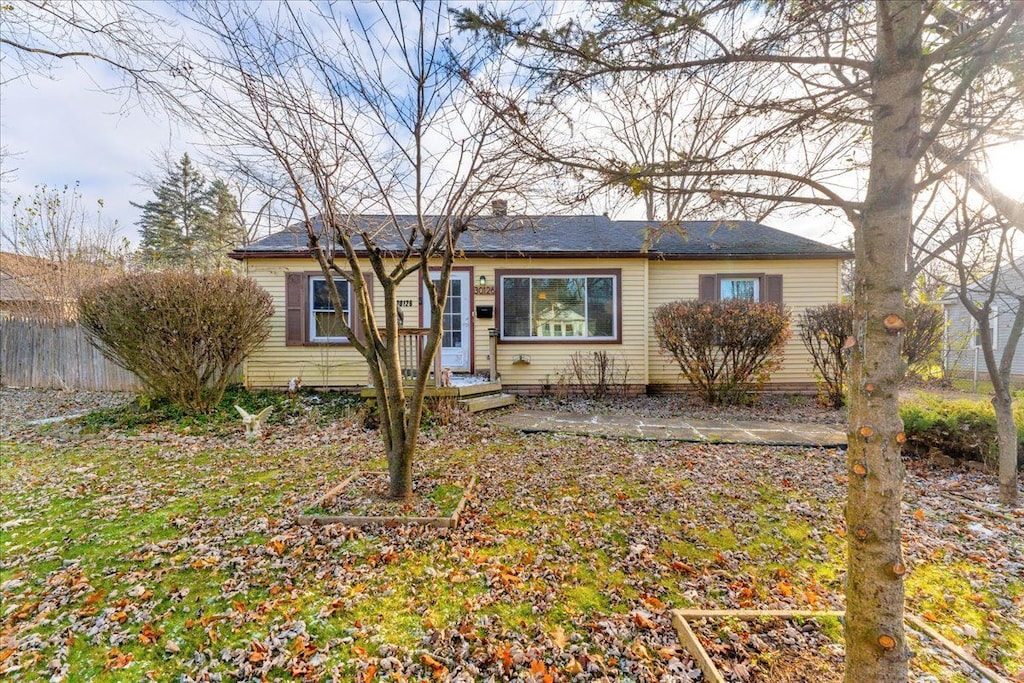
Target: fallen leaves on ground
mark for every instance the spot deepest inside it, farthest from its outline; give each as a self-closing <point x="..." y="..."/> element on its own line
<point x="178" y="556"/>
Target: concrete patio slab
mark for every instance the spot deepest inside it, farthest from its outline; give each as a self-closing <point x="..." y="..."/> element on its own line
<point x="764" y="433"/>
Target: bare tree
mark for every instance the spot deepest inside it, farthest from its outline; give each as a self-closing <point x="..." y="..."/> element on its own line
<point x="981" y="267"/>
<point x="256" y="207"/>
<point x="59" y="248"/>
<point x="362" y="112"/>
<point x="825" y="71"/>
<point x="135" y="40"/>
<point x="969" y="236"/>
<point x="643" y="121"/>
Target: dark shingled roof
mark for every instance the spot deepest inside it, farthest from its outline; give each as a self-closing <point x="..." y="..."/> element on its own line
<point x="583" y="236"/>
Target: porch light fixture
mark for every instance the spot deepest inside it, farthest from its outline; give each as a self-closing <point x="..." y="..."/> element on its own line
<point x="482" y="281"/>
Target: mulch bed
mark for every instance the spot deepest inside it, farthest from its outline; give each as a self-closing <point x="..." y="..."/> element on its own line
<point x="779" y="650"/>
<point x="771" y="650"/>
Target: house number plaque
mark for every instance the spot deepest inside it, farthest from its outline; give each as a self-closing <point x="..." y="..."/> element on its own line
<point x="405" y="303"/>
<point x="483" y="290"/>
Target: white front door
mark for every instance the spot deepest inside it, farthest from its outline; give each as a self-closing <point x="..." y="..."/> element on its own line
<point x="457" y="335"/>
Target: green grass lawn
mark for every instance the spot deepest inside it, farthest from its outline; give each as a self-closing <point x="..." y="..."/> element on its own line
<point x="161" y="553"/>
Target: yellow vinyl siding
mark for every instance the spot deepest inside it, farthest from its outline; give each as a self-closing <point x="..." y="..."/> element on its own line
<point x="805" y="283"/>
<point x="274" y="364"/>
<point x="644" y="285"/>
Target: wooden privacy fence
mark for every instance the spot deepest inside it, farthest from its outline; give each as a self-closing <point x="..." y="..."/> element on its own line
<point x="46" y="356"/>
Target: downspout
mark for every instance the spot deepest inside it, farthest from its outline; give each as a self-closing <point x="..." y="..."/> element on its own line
<point x="492" y="340"/>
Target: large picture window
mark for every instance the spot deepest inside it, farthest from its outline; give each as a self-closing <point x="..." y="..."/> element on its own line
<point x="559" y="307"/>
<point x="324" y="321"/>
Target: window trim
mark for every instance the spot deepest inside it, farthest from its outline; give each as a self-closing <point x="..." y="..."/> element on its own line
<point x="311" y="335"/>
<point x="614" y="273"/>
<point x="297" y="308"/>
<point x="768" y="284"/>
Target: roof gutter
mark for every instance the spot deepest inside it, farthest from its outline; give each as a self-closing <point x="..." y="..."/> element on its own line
<point x="241" y="255"/>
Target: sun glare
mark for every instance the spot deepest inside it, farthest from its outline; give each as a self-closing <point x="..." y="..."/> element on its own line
<point x="1006" y="169"/>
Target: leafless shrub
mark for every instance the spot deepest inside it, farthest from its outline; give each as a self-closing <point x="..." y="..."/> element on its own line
<point x="447" y="412"/>
<point x="922" y="338"/>
<point x="725" y="349"/>
<point x="824" y="331"/>
<point x="593" y="375"/>
<point x="182" y="334"/>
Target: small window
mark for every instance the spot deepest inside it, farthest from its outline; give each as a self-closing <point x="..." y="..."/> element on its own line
<point x="325" y="324"/>
<point x="743" y="288"/>
<point x="754" y="287"/>
<point x="993" y="323"/>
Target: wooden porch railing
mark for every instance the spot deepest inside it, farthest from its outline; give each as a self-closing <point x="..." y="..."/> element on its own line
<point x="411" y="341"/>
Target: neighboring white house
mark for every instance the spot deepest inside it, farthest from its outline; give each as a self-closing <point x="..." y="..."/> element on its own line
<point x="963" y="352"/>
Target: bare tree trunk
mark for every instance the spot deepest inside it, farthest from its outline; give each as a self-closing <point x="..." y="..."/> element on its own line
<point x="401" y="407"/>
<point x="400" y="468"/>
<point x="1003" y="404"/>
<point x="397" y="439"/>
<point x="999" y="371"/>
<point x="876" y="649"/>
<point x="394" y="404"/>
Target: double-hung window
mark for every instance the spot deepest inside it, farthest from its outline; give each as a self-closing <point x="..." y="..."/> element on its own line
<point x="324" y="321"/>
<point x="559" y="306"/>
<point x="309" y="314"/>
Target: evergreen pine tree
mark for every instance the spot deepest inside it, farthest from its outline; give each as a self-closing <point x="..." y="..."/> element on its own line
<point x="222" y="230"/>
<point x="190" y="223"/>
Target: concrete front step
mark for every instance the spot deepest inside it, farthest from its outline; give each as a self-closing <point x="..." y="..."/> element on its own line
<point x="487" y="402"/>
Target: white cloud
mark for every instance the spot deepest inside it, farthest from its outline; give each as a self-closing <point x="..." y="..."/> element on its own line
<point x="76" y="127"/>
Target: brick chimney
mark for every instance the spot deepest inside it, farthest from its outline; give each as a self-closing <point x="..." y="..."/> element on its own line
<point x="499" y="207"/>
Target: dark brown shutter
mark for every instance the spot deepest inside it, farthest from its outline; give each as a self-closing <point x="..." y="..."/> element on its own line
<point x="294" y="309"/>
<point x="773" y="289"/>
<point x="708" y="289"/>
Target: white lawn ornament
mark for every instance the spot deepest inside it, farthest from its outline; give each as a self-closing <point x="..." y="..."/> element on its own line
<point x="253" y="423"/>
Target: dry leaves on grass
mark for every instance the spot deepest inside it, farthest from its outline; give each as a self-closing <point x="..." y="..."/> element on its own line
<point x="158" y="550"/>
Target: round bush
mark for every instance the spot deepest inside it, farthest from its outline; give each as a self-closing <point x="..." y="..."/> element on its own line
<point x="725" y="348"/>
<point x="183" y="334"/>
<point x="824" y="331"/>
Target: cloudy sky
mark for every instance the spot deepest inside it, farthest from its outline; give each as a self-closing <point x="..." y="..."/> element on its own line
<point x="73" y="126"/>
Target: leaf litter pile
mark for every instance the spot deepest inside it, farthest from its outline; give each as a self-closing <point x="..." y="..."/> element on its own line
<point x="157" y="555"/>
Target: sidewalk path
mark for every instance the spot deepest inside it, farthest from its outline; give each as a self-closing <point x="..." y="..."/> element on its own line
<point x="763" y="433"/>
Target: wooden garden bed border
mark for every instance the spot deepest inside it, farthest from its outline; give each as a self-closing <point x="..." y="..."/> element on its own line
<point x="328" y="499"/>
<point x="688" y="639"/>
<point x="980" y="507"/>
